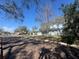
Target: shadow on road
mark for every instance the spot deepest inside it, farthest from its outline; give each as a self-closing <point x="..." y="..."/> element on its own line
<point x="32" y="49"/>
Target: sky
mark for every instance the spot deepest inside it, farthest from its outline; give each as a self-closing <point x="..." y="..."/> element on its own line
<point x="29" y="20"/>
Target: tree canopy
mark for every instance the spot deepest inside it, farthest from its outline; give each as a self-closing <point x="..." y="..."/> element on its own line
<point x="15" y="8"/>
<point x="22" y="29"/>
<point x="71" y="26"/>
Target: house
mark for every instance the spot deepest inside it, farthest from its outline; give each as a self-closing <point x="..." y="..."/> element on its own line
<point x="55" y="30"/>
<point x="54" y="27"/>
<point x="36" y="33"/>
<point x="39" y="33"/>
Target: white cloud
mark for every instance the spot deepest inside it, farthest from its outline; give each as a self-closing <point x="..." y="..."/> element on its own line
<point x="9" y="29"/>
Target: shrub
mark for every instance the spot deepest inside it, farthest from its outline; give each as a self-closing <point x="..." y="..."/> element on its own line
<point x="68" y="39"/>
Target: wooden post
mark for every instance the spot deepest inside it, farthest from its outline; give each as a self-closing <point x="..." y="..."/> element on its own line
<point x="1" y="48"/>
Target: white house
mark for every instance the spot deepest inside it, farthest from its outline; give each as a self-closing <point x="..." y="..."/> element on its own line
<point x="55" y="30"/>
<point x="39" y="33"/>
<point x="55" y="26"/>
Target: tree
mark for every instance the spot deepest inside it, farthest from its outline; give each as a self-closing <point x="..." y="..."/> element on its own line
<point x="22" y="30"/>
<point x="44" y="15"/>
<point x="15" y="8"/>
<point x="71" y="26"/>
<point x="34" y="30"/>
<point x="44" y="28"/>
<point x="11" y="9"/>
<point x="55" y="24"/>
<point x="1" y="30"/>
